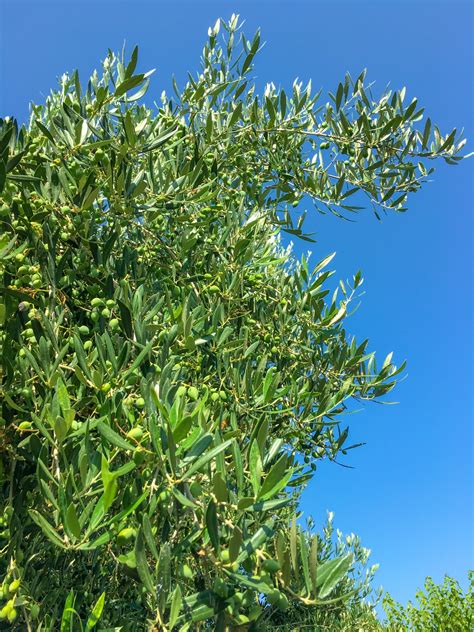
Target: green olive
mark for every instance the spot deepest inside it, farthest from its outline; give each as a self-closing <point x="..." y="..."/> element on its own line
<point x="193" y="393"/>
<point x="136" y="433"/>
<point x="13" y="587"/>
<point x="125" y="536"/>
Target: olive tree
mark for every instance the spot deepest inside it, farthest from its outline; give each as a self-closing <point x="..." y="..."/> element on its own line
<point x="171" y="372"/>
<point x="443" y="606"/>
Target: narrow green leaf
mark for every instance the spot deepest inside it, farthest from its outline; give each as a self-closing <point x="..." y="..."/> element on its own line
<point x="72" y="521"/>
<point x="206" y="458"/>
<point x="112" y="437"/>
<point x="212" y="524"/>
<point x="96" y="612"/>
<point x="176" y="603"/>
<point x="142" y="564"/>
<point x="331" y="573"/>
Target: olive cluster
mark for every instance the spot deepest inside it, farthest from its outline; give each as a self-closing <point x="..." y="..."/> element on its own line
<point x="104" y="309"/>
<point x="9" y="592"/>
<point x="4" y="523"/>
<point x="27" y="275"/>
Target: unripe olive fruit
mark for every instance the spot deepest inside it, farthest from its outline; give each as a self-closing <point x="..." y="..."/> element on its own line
<point x="220" y="587"/>
<point x="164" y="496"/>
<point x="125" y="536"/>
<point x="96" y="302"/>
<point x="106" y="312"/>
<point x="139" y="456"/>
<point x="83" y="330"/>
<point x="13" y="587"/>
<point x="110" y="303"/>
<point x="224" y="556"/>
<point x="193" y="393"/>
<point x="139" y="402"/>
<point x="114" y="323"/>
<point x="272" y="566"/>
<point x="135" y="433"/>
<point x="214" y="289"/>
<point x="196" y="489"/>
<point x="87" y="344"/>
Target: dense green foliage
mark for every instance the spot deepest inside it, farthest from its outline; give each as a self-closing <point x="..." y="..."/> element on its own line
<point x="171" y="373"/>
<point x="439" y="607"/>
<point x="443" y="607"/>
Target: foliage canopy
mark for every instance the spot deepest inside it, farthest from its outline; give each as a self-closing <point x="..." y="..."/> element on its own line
<point x="171" y="373"/>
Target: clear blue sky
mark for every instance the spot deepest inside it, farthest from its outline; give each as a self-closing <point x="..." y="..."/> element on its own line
<point x="411" y="492"/>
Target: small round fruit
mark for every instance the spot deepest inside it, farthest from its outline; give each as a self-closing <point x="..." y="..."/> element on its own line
<point x="220" y="587"/>
<point x="271" y="566"/>
<point x="214" y="289"/>
<point x="106" y="312"/>
<point x="96" y="302"/>
<point x="139" y="456"/>
<point x="283" y="602"/>
<point x="224" y="556"/>
<point x="164" y="496"/>
<point x="12" y="615"/>
<point x="193" y="393"/>
<point x="136" y="433"/>
<point x="181" y="391"/>
<point x="13" y="587"/>
<point x="139" y="402"/>
<point x="83" y="330"/>
<point x="214" y="396"/>
<point x="110" y="303"/>
<point x="25" y="425"/>
<point x="196" y="489"/>
<point x="273" y="597"/>
<point x="87" y="345"/>
<point x="94" y="317"/>
<point x="114" y="323"/>
<point x="223" y="395"/>
<point x="125" y="536"/>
